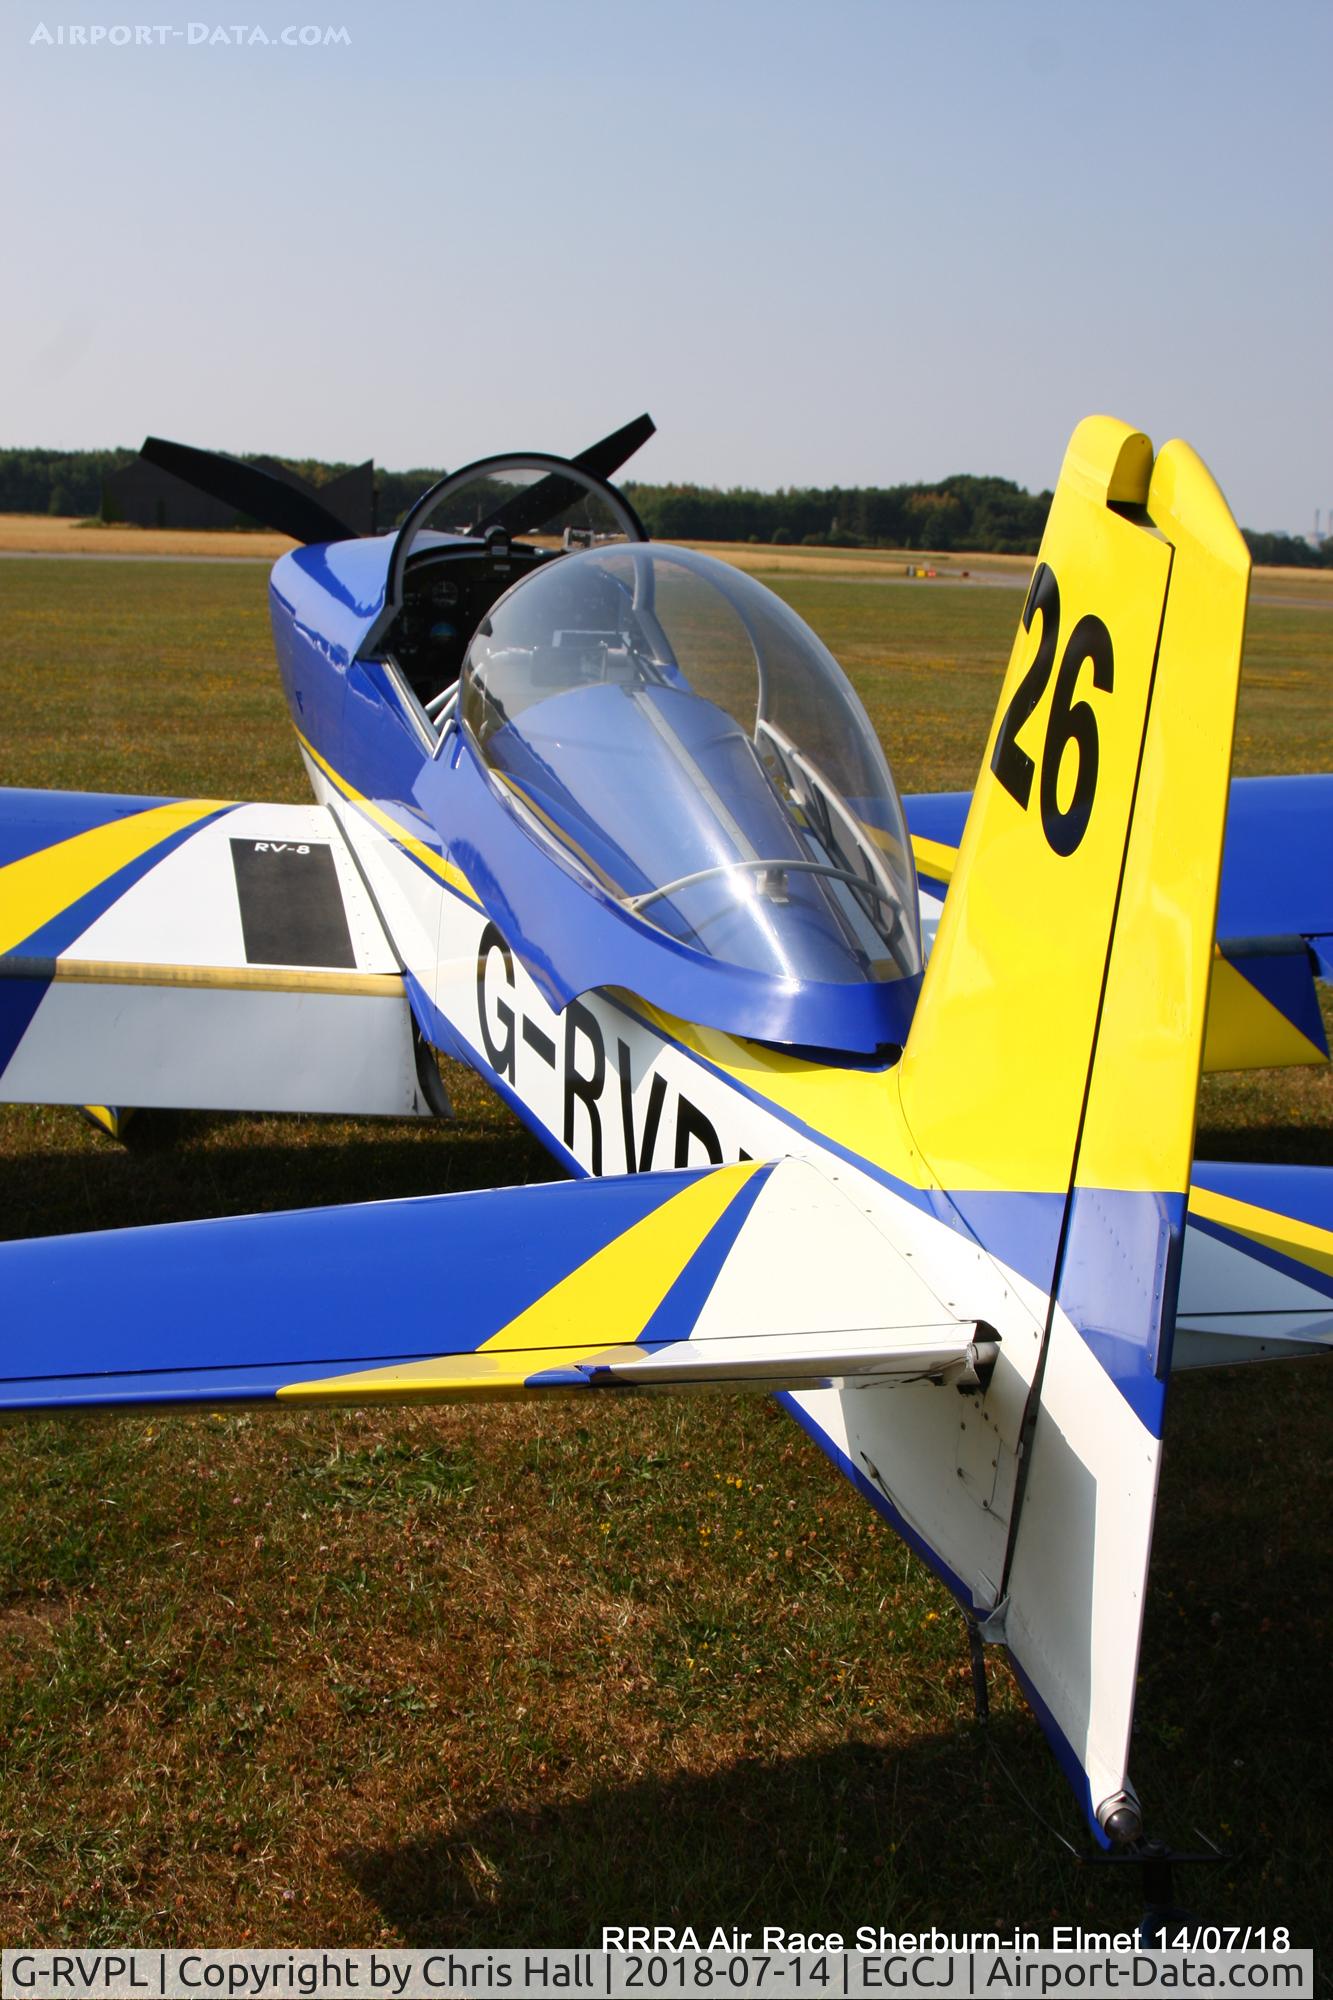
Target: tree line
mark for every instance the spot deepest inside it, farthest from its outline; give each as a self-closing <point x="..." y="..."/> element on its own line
<point x="964" y="512"/>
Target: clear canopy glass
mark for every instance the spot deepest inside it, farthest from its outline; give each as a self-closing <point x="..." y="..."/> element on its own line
<point x="680" y="733"/>
<point x="541" y="500"/>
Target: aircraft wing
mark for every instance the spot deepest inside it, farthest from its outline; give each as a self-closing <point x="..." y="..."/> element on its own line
<point x="195" y="954"/>
<point x="1274" y="919"/>
<point x="763" y="1275"/>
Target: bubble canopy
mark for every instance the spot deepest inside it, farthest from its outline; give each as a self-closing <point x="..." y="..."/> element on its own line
<point x="685" y="741"/>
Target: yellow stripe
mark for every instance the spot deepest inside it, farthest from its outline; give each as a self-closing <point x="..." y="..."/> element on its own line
<point x="1245" y="1030"/>
<point x="1305" y="1242"/>
<point x="38" y="887"/>
<point x="110" y="1118"/>
<point x="454" y="1378"/>
<point x="933" y="858"/>
<point x="231" y="978"/>
<point x="599" y="1307"/>
<point x="853" y="1108"/>
<point x="437" y="864"/>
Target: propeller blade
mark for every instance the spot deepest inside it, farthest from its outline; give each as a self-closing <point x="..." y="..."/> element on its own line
<point x="609" y="453"/>
<point x="260" y="495"/>
<point x="550" y="496"/>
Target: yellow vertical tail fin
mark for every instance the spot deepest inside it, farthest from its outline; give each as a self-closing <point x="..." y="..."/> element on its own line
<point x="1051" y="1073"/>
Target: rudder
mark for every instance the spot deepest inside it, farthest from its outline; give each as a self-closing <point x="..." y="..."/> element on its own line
<point x="1051" y="1074"/>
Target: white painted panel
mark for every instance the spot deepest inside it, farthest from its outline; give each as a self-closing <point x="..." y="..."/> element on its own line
<point x="408" y="896"/>
<point x="1222" y="1343"/>
<point x="1223" y="1277"/>
<point x="185" y="910"/>
<point x="1076" y="1588"/>
<point x="878" y="1359"/>
<point x="810" y="1261"/>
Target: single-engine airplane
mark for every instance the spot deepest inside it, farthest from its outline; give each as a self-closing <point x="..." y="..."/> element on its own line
<point x="890" y="1114"/>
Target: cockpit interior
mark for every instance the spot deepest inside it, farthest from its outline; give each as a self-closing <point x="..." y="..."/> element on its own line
<point x="468" y="540"/>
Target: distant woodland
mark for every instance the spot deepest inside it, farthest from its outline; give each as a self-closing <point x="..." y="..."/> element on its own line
<point x="964" y="511"/>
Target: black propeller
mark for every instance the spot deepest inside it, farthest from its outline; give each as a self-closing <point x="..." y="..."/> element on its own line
<point x="609" y="453"/>
<point x="260" y="495"/>
<point x="264" y="497"/>
<point x="550" y="496"/>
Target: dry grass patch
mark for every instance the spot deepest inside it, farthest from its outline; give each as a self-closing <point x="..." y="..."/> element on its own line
<point x="884" y="565"/>
<point x="50" y="534"/>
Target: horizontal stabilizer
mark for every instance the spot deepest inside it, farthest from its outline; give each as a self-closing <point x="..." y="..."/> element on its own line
<point x="1275" y="874"/>
<point x="766" y="1276"/>
<point x="1274" y="920"/>
<point x="1256" y="1280"/>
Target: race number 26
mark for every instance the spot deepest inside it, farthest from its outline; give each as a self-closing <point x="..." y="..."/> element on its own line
<point x="1069" y="721"/>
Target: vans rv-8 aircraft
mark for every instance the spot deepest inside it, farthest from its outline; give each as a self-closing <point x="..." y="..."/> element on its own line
<point x="605" y="820"/>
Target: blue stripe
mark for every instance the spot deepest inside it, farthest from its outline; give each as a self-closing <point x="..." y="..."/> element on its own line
<point x="33" y="821"/>
<point x="1022" y="1230"/>
<point x="169" y="1385"/>
<point x="439" y="1031"/>
<point x="1119" y="1279"/>
<point x="678" y="1313"/>
<point x="19" y="1001"/>
<point x="1065" y="1754"/>
<point x="435" y="1027"/>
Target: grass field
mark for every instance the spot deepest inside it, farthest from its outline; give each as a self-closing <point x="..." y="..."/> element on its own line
<point x="499" y="1676"/>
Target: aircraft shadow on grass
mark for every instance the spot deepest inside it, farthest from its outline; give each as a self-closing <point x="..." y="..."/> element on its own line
<point x="933" y="1830"/>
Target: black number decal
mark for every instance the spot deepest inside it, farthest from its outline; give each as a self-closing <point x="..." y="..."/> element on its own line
<point x="1012" y="765"/>
<point x="1069" y="720"/>
<point x="1074" y="722"/>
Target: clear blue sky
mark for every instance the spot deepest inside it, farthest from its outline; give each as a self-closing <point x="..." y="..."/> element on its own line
<point x="858" y="241"/>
